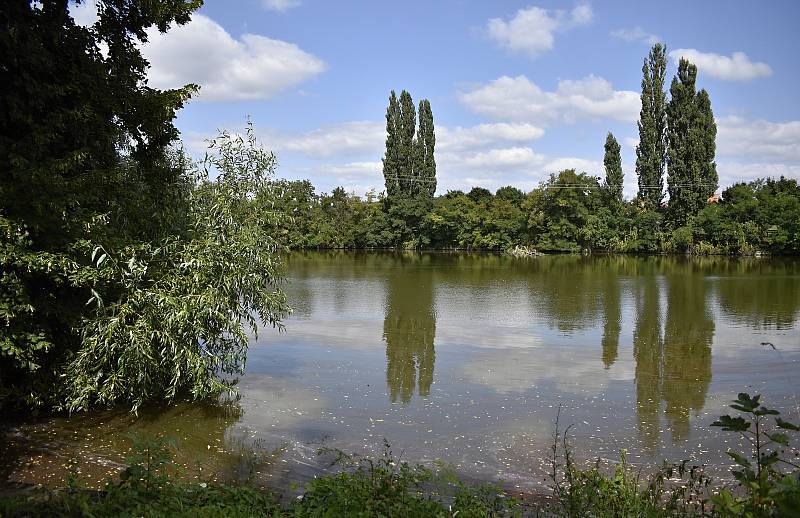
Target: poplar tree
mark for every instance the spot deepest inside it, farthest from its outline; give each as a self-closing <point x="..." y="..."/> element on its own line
<point x="613" y="164"/>
<point x="651" y="155"/>
<point x="407" y="128"/>
<point x="391" y="160"/>
<point x="409" y="167"/>
<point x="692" y="134"/>
<point x="426" y="142"/>
<point x="708" y="131"/>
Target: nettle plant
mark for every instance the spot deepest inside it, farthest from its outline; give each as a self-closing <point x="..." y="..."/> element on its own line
<point x="769" y="474"/>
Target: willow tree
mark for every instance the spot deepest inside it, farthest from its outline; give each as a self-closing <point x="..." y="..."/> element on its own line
<point x="81" y="135"/>
<point x="651" y="153"/>
<point x="125" y="274"/>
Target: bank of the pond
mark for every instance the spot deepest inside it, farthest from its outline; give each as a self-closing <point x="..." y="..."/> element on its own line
<point x="152" y="485"/>
<point x="387" y="486"/>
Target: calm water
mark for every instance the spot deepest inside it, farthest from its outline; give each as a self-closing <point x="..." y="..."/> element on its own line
<point x="466" y="359"/>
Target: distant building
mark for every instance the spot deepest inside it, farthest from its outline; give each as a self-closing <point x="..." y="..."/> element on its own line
<point x="716" y="198"/>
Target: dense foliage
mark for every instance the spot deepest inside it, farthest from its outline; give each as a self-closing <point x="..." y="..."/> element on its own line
<point x="569" y="212"/>
<point x="125" y="273"/>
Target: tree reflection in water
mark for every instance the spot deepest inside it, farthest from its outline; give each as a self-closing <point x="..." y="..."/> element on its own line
<point x="409" y="327"/>
<point x="675" y="368"/>
<point x="612" y="311"/>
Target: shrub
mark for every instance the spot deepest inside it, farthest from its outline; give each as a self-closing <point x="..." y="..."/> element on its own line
<point x="768" y="475"/>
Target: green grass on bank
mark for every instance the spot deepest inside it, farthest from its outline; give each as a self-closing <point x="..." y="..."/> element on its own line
<point x="767" y="483"/>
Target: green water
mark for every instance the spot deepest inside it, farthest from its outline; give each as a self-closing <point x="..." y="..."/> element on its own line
<point x="466" y="359"/>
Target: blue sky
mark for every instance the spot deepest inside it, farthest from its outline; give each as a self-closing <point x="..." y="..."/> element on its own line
<point x="518" y="89"/>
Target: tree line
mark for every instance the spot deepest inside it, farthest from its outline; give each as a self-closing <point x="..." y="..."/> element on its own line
<point x="570" y="211"/>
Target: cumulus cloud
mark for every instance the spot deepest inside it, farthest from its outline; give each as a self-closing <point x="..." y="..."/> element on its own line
<point x="348" y="138"/>
<point x="520" y="99"/>
<point x="502" y="158"/>
<point x="593" y="167"/>
<point x="532" y="30"/>
<point x="459" y="138"/>
<point x="737" y="67"/>
<point x="759" y="140"/>
<point x="368" y="138"/>
<point x="636" y="34"/>
<point x="348" y="154"/>
<point x="354" y="177"/>
<point x="203" y="52"/>
<point x="731" y="172"/>
<point x="749" y="149"/>
<point x="495" y="167"/>
<point x="280" y="5"/>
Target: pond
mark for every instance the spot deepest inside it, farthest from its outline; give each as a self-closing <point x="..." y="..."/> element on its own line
<point x="466" y="359"/>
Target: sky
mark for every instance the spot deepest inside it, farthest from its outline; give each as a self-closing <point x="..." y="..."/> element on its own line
<point x="519" y="90"/>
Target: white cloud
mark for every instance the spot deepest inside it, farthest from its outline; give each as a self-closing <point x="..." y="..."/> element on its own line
<point x="631" y="142"/>
<point x="226" y="68"/>
<point x="482" y="135"/>
<point x="368" y="138"/>
<point x="731" y="172"/>
<point x="498" y="166"/>
<point x="349" y="155"/>
<point x="349" y="138"/>
<point x="280" y="5"/>
<point x="636" y="34"/>
<point x="84" y="14"/>
<point x="582" y="165"/>
<point x="758" y="140"/>
<point x="502" y="158"/>
<point x="532" y="29"/>
<point x="737" y="67"/>
<point x="357" y="177"/>
<point x="520" y="99"/>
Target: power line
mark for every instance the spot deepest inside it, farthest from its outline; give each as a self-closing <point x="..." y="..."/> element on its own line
<point x="416" y="179"/>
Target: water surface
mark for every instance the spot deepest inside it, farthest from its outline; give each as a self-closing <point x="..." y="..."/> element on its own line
<point x="466" y="358"/>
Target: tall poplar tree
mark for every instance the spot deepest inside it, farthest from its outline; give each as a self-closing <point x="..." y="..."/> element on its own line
<point x="692" y="133"/>
<point x="613" y="164"/>
<point x="409" y="167"/>
<point x="426" y="142"/>
<point x="707" y="128"/>
<point x="651" y="155"/>
<point x="407" y="128"/>
<point x="391" y="160"/>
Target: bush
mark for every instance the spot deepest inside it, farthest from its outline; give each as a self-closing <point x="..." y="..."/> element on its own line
<point x="768" y="475"/>
<point x="180" y="309"/>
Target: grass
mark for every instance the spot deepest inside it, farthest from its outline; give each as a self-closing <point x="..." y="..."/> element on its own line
<point x="767" y="484"/>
